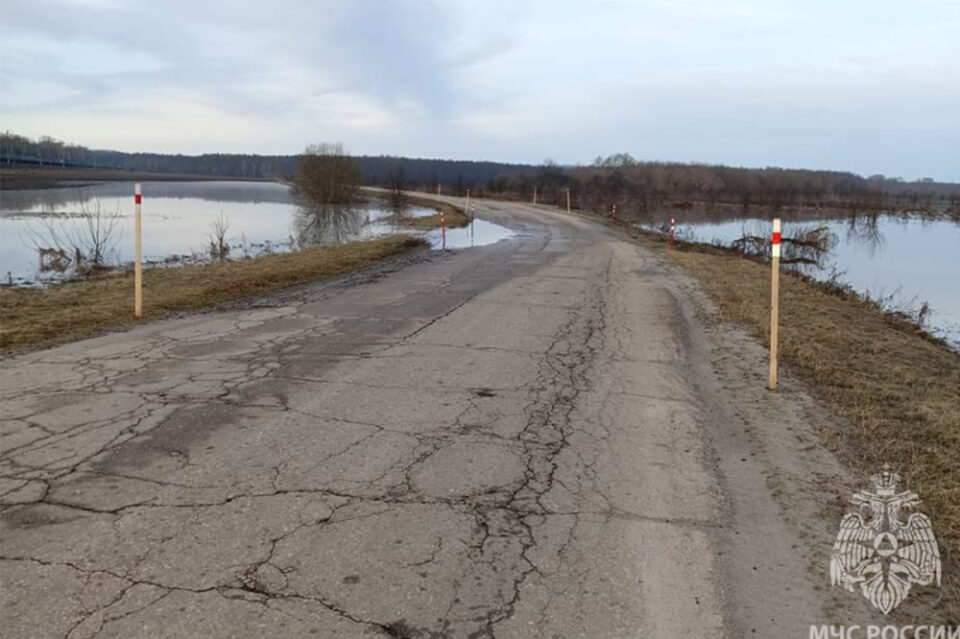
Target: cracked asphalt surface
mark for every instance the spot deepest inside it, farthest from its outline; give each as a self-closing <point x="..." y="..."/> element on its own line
<point x="507" y="441"/>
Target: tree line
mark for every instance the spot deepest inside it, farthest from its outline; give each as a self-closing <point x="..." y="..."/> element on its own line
<point x="638" y="187"/>
<point x="375" y="170"/>
<point x="633" y="185"/>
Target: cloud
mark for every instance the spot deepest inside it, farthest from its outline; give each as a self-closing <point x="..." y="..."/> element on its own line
<point x="860" y="85"/>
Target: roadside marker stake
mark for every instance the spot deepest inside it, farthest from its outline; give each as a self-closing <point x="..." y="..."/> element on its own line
<point x="438" y="189"/>
<point x="613" y="215"/>
<point x="466" y="204"/>
<point x="534" y="195"/>
<point x="774" y="301"/>
<point x="137" y="254"/>
<point x="568" y="201"/>
<point x="673" y="226"/>
<point x="443" y="228"/>
<point x="473" y="215"/>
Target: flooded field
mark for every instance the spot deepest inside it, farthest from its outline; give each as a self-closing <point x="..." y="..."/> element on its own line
<point x="41" y="230"/>
<point x="904" y="261"/>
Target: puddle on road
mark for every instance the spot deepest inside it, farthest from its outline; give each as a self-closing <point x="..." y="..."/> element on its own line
<point x="479" y="233"/>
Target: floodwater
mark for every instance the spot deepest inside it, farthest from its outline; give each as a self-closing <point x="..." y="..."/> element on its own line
<point x="178" y="221"/>
<point x="904" y="261"/>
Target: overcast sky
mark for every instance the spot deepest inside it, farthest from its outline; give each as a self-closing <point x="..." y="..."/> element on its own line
<point x="871" y="86"/>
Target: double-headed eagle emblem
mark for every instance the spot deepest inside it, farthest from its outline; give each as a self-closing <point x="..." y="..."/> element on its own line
<point x="880" y="552"/>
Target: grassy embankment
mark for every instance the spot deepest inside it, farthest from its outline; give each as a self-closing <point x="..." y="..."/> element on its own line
<point x="455" y="216"/>
<point x="39" y="317"/>
<point x="896" y="387"/>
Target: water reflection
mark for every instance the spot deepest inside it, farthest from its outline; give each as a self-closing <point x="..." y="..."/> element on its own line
<point x="327" y="224"/>
<point x="905" y="261"/>
<point x="75" y="196"/>
<point x="865" y="230"/>
<point x="478" y="233"/>
<point x="806" y="246"/>
<point x="178" y="218"/>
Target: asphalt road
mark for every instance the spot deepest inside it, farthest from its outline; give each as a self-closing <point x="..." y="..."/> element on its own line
<point x="529" y="439"/>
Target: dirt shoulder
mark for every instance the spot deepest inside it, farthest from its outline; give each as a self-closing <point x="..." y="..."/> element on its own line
<point x="33" y="318"/>
<point x="894" y="388"/>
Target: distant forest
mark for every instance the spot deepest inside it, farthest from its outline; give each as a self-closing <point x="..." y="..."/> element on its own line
<point x="637" y="188"/>
<point x="377" y="170"/>
<point x="634" y="186"/>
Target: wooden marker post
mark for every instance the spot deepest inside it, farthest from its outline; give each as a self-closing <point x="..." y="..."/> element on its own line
<point x="443" y="228"/>
<point x="673" y="227"/>
<point x="466" y="204"/>
<point x="774" y="302"/>
<point x="137" y="255"/>
<point x="568" y="201"/>
<point x="534" y="195"/>
<point x="613" y="215"/>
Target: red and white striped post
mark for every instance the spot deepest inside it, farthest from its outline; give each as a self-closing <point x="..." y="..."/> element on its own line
<point x="137" y="255"/>
<point x="774" y="302"/>
<point x="673" y="229"/>
<point x="443" y="228"/>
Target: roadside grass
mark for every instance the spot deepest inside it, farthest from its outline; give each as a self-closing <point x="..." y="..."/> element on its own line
<point x="31" y="318"/>
<point x="897" y="387"/>
<point x="455" y="216"/>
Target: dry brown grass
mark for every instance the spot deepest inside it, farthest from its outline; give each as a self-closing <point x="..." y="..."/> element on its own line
<point x="898" y="389"/>
<point x="31" y="318"/>
<point x="455" y="216"/>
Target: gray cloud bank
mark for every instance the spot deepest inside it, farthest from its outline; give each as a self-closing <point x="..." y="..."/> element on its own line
<point x="863" y="86"/>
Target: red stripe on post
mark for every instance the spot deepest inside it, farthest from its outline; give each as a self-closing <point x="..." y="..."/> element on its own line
<point x="776" y="238"/>
<point x="136" y="199"/>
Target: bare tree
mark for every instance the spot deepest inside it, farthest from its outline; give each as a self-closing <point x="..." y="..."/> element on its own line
<point x="396" y="182"/>
<point x="219" y="248"/>
<point x="805" y="246"/>
<point x="98" y="236"/>
<point x="327" y="175"/>
<point x="88" y="245"/>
